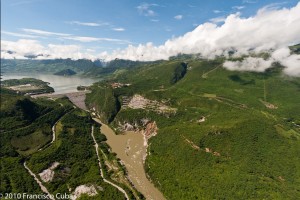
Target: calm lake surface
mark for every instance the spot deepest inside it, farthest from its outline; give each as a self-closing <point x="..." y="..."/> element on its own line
<point x="61" y="84"/>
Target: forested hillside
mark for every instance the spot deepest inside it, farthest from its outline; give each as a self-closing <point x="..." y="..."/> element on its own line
<point x="54" y="140"/>
<point x="230" y="135"/>
<point x="25" y="127"/>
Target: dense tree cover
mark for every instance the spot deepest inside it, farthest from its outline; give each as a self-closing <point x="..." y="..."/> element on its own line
<point x="76" y="154"/>
<point x="26" y="123"/>
<point x="104" y="100"/>
<point x="179" y="72"/>
<point x="25" y="127"/>
<point x="73" y="147"/>
<point x="14" y="177"/>
<point x="13" y="108"/>
<point x="100" y="138"/>
<point x="33" y="136"/>
<point x="107" y="101"/>
<point x="248" y="145"/>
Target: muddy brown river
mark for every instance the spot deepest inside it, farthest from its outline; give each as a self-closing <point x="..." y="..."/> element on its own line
<point x="130" y="148"/>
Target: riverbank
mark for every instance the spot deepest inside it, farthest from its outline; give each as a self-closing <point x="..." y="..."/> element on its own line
<point x="130" y="148"/>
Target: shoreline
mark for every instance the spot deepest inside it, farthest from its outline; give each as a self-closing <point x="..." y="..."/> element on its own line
<point x="132" y="155"/>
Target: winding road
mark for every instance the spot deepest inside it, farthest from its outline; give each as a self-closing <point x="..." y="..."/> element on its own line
<point x="43" y="188"/>
<point x="101" y="171"/>
<point x="53" y="132"/>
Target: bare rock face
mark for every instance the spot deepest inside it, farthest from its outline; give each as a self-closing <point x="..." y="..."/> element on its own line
<point x="150" y="130"/>
<point x="128" y="127"/>
<point x="202" y="119"/>
<point x="84" y="189"/>
<point x="140" y="102"/>
<point x="148" y="127"/>
<point x="48" y="174"/>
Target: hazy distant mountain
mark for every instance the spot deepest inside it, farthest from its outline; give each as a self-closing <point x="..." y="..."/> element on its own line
<point x="48" y="66"/>
<point x="65" y="72"/>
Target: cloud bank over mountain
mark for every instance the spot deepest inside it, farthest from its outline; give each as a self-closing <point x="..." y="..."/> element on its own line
<point x="268" y="29"/>
<point x="271" y="29"/>
<point x="23" y="48"/>
<point x="282" y="55"/>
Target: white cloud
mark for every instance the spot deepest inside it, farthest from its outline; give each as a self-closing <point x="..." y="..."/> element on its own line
<point x="63" y="51"/>
<point x="20" y="48"/>
<point x="286" y="59"/>
<point x="23" y="47"/>
<point x="44" y="33"/>
<point x="95" y="39"/>
<point x="88" y="23"/>
<point x="119" y="29"/>
<point x="19" y="34"/>
<point x="82" y="39"/>
<point x="249" y="2"/>
<point x="154" y="20"/>
<point x="282" y="55"/>
<point x="191" y="6"/>
<point x="265" y="31"/>
<point x="76" y="38"/>
<point x="217" y="11"/>
<point x="178" y="17"/>
<point x="269" y="30"/>
<point x="217" y="20"/>
<point x="248" y="64"/>
<point x="238" y="7"/>
<point x="274" y="6"/>
<point x="145" y="9"/>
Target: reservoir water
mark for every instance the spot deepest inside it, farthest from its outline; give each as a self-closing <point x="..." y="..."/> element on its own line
<point x="61" y="84"/>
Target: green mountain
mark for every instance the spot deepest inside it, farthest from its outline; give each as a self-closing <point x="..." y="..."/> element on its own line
<point x="27" y="137"/>
<point x="25" y="127"/>
<point x="221" y="134"/>
<point x="65" y="72"/>
<point x="64" y="66"/>
<point x="46" y="66"/>
<point x="295" y="48"/>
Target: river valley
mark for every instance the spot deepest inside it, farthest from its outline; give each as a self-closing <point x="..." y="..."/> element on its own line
<point x="130" y="148"/>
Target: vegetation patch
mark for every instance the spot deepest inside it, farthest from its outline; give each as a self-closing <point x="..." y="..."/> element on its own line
<point x="27" y="86"/>
<point x="30" y="143"/>
<point x="65" y="72"/>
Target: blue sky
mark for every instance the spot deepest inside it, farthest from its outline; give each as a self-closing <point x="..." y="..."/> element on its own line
<point x="116" y="23"/>
<point x="153" y="30"/>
